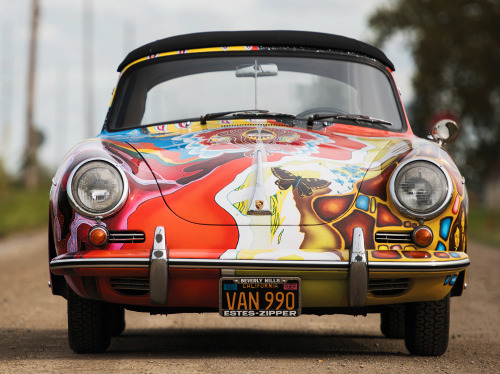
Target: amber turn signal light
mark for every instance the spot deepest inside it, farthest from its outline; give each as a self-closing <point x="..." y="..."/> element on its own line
<point x="98" y="235"/>
<point x="422" y="236"/>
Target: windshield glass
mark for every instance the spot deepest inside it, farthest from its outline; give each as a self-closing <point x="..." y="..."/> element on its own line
<point x="180" y="90"/>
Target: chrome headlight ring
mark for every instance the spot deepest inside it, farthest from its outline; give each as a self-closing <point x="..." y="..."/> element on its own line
<point x="78" y="174"/>
<point x="420" y="189"/>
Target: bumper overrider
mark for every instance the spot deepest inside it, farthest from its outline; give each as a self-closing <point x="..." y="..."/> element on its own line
<point x="363" y="266"/>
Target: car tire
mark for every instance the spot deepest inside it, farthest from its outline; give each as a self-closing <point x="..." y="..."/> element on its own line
<point x="392" y="322"/>
<point x="88" y="331"/>
<point x="427" y="327"/>
<point x="116" y="319"/>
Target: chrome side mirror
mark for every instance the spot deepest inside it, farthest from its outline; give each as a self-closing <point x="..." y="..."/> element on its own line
<point x="445" y="131"/>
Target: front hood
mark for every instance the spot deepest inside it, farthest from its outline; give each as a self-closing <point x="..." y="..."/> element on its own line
<point x="261" y="173"/>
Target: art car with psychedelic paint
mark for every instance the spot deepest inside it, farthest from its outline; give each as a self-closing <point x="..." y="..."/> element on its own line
<point x="259" y="174"/>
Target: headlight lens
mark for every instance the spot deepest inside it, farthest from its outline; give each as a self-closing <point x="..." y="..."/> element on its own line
<point x="97" y="188"/>
<point x="421" y="189"/>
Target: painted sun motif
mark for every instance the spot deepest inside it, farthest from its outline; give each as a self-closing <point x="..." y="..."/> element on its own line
<point x="259" y="135"/>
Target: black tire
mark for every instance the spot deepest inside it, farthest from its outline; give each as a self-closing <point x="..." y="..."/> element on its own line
<point x="116" y="319"/>
<point x="428" y="327"/>
<point x="392" y="322"/>
<point x="88" y="331"/>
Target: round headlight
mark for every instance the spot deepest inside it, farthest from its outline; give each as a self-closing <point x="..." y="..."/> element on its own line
<point x="97" y="188"/>
<point x="421" y="188"/>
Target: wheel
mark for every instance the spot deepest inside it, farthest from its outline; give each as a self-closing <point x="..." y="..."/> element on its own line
<point x="88" y="331"/>
<point x="116" y="319"/>
<point x="427" y="327"/>
<point x="392" y="322"/>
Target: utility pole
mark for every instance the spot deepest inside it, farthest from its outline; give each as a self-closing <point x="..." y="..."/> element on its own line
<point x="31" y="172"/>
<point x="88" y="73"/>
<point x="5" y="104"/>
<point x="6" y="91"/>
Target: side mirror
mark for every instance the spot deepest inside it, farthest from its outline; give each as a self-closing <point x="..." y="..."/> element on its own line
<point x="445" y="131"/>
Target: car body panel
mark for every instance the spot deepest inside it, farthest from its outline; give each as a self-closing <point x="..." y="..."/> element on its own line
<point x="198" y="183"/>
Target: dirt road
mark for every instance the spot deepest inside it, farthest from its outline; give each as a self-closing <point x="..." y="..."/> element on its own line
<point x="33" y="336"/>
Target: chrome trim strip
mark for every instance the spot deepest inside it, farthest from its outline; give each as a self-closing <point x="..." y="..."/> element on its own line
<point x="419" y="266"/>
<point x="99" y="263"/>
<point x="158" y="272"/>
<point x="188" y="263"/>
<point x="391" y="237"/>
<point x="118" y="236"/>
<point x="182" y="263"/>
<point x="357" y="279"/>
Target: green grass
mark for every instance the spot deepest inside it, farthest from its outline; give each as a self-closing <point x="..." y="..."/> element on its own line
<point x="484" y="226"/>
<point x="22" y="210"/>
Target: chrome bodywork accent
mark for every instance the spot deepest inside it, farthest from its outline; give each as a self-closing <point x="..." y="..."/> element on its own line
<point x="188" y="263"/>
<point x="445" y="131"/>
<point x="393" y="237"/>
<point x="83" y="211"/>
<point x="191" y="263"/>
<point x="126" y="236"/>
<point x="418" y="266"/>
<point x="405" y="211"/>
<point x="259" y="205"/>
<point x="357" y="283"/>
<point x="158" y="272"/>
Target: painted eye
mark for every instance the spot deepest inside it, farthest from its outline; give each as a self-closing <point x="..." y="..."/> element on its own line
<point x="97" y="188"/>
<point x="421" y="189"/>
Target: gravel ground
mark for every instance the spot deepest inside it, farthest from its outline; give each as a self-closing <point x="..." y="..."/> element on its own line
<point x="33" y="335"/>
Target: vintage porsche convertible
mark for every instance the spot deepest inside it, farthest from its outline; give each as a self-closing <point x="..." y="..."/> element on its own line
<point x="263" y="173"/>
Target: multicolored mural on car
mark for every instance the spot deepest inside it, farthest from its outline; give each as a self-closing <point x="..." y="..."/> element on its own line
<point x="201" y="180"/>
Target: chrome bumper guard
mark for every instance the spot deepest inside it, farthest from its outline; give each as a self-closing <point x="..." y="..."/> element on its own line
<point x="158" y="269"/>
<point x="357" y="285"/>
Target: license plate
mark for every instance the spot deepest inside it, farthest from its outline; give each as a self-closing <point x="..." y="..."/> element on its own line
<point x="259" y="297"/>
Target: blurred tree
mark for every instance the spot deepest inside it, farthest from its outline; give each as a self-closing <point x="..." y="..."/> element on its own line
<point x="455" y="45"/>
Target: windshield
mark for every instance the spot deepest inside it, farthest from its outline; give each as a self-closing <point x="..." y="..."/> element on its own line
<point x="186" y="89"/>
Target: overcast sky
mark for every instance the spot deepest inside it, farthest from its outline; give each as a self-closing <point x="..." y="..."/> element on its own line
<point x="122" y="25"/>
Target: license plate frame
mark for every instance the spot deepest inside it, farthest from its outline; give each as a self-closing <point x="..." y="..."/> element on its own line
<point x="262" y="297"/>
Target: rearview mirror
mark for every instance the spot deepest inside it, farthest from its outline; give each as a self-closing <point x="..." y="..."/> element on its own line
<point x="257" y="70"/>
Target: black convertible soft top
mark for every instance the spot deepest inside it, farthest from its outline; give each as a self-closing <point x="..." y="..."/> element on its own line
<point x="257" y="38"/>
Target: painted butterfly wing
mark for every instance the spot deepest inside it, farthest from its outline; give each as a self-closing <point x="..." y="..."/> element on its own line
<point x="307" y="185"/>
<point x="304" y="190"/>
<point x="285" y="178"/>
<point x="284" y="184"/>
<point x="315" y="183"/>
<point x="283" y="174"/>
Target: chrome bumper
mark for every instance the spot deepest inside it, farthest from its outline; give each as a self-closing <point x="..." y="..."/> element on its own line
<point x="159" y="263"/>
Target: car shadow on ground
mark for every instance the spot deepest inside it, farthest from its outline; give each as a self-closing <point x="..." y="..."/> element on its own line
<point x="206" y="343"/>
<point x="257" y="343"/>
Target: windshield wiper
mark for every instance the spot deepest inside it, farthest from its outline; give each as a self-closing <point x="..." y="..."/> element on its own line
<point x="252" y="113"/>
<point x="350" y="117"/>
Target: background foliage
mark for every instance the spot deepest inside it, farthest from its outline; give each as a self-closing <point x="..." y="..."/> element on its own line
<point x="455" y="46"/>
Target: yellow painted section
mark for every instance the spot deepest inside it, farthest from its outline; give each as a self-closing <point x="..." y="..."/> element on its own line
<point x="329" y="288"/>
